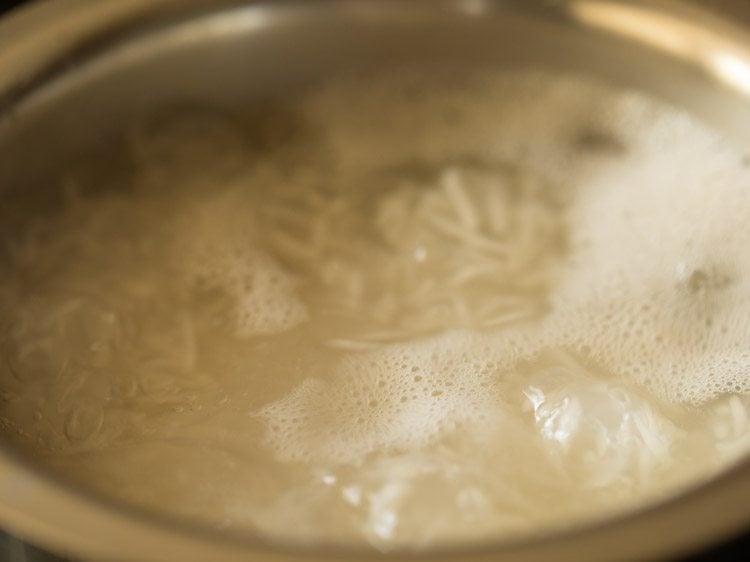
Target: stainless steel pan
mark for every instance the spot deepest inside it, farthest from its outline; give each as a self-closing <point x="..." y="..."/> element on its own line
<point x="73" y="71"/>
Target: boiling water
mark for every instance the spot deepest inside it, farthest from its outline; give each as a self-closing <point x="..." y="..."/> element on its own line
<point x="402" y="311"/>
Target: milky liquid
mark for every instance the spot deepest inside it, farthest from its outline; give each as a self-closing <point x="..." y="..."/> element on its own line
<point x="430" y="310"/>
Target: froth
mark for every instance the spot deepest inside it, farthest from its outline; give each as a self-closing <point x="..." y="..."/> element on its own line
<point x="219" y="246"/>
<point x="653" y="290"/>
<point x="399" y="398"/>
<point x="658" y="283"/>
<point x="470" y="305"/>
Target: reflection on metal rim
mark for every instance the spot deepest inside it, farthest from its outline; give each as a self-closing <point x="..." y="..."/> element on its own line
<point x="713" y="48"/>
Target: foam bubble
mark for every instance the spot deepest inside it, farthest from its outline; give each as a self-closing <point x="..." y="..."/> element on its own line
<point x="220" y="244"/>
<point x="399" y="398"/>
<point x="659" y="279"/>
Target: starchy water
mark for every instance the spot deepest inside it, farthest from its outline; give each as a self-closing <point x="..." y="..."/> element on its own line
<point x="403" y="311"/>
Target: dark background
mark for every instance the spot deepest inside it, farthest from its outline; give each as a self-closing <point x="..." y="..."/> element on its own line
<point x="737" y="550"/>
<point x="6" y="5"/>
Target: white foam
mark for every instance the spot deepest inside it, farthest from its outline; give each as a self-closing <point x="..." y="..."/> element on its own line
<point x="220" y="244"/>
<point x="399" y="398"/>
<point x="658" y="282"/>
<point x="421" y="439"/>
<point x="655" y="283"/>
